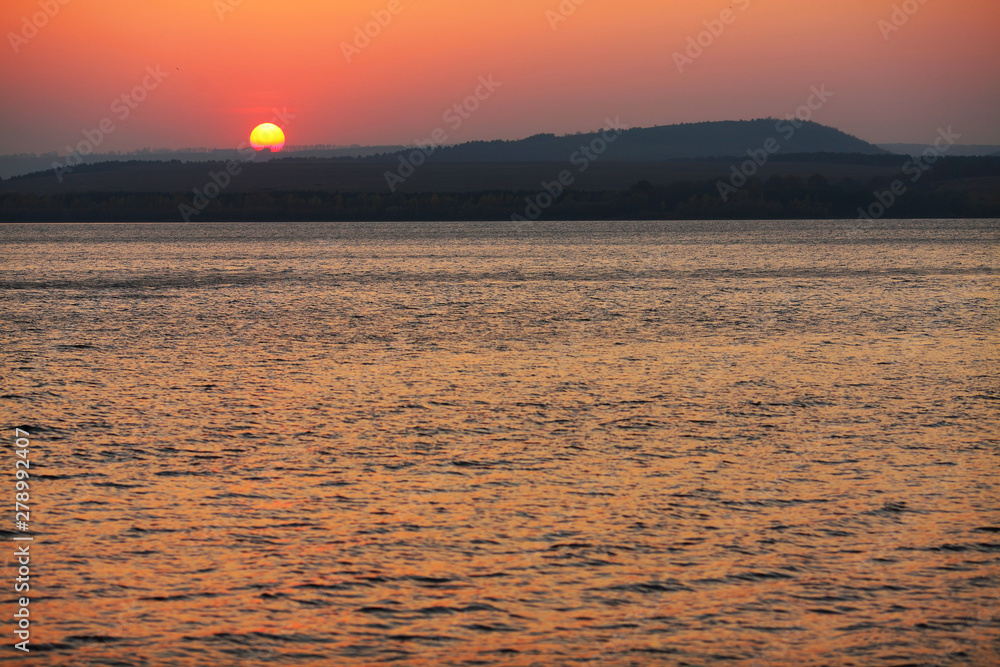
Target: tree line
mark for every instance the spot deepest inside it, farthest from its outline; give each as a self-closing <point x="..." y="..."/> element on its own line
<point x="953" y="188"/>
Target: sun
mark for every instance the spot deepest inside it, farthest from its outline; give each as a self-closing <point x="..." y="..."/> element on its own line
<point x="267" y="135"/>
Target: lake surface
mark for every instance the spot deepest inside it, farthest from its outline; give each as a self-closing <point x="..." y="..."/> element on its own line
<point x="752" y="443"/>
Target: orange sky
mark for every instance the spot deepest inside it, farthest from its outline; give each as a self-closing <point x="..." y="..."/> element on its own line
<point x="941" y="68"/>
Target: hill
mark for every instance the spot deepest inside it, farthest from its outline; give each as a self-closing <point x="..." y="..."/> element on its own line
<point x="669" y="142"/>
<point x="634" y="173"/>
<point x="611" y="159"/>
<point x="651" y="144"/>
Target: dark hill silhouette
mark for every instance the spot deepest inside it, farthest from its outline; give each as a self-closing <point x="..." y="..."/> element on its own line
<point x="669" y="142"/>
<point x="658" y="154"/>
<point x="708" y="140"/>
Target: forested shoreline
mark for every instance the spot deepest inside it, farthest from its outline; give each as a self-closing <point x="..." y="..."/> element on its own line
<point x="954" y="187"/>
<point x="777" y="198"/>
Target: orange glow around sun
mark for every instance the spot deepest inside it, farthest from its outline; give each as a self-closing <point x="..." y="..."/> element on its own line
<point x="224" y="67"/>
<point x="267" y="135"/>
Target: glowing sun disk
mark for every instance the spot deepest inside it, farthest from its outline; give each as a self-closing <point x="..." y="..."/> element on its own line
<point x="267" y="135"/>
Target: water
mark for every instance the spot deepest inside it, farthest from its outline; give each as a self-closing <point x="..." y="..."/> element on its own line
<point x="497" y="444"/>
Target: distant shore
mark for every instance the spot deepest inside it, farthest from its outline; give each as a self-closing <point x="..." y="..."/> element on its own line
<point x="786" y="187"/>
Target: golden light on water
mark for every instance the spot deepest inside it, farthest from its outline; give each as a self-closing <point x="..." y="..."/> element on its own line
<point x="545" y="451"/>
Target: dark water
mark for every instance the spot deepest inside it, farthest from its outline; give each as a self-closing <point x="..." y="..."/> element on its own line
<point x="489" y="444"/>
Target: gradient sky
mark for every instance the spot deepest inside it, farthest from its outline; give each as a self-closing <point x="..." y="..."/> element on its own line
<point x="609" y="58"/>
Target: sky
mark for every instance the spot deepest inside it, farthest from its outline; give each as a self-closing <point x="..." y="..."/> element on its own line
<point x="208" y="71"/>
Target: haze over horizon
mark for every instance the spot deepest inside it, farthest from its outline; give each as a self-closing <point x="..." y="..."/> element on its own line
<point x="209" y="71"/>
